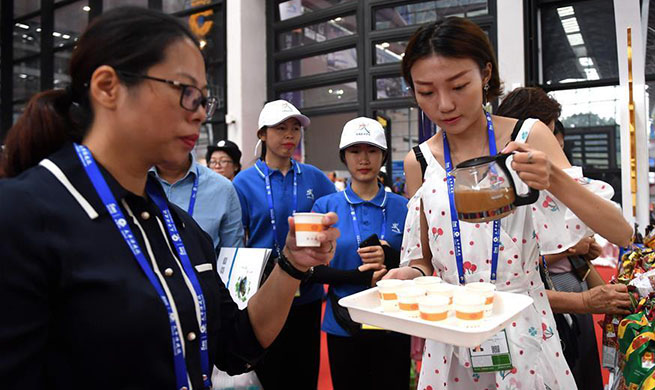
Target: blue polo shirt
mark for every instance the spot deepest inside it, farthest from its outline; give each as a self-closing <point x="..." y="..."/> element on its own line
<point x="370" y="220"/>
<point x="251" y="188"/>
<point x="217" y="209"/>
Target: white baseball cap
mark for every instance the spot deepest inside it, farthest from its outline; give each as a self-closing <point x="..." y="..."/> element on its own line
<point x="278" y="111"/>
<point x="363" y="130"/>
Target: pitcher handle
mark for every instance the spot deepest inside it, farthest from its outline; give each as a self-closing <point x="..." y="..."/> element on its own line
<point x="519" y="200"/>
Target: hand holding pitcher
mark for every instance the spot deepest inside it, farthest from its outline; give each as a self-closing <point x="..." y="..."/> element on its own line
<point x="532" y="166"/>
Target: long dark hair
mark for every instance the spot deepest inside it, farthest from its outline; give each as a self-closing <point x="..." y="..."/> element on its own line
<point x="129" y="39"/>
<point x="456" y="38"/>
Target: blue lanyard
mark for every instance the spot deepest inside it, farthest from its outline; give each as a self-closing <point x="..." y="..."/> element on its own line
<point x="102" y="189"/>
<point x="194" y="193"/>
<point x="358" y="235"/>
<point x="457" y="240"/>
<point x="269" y="197"/>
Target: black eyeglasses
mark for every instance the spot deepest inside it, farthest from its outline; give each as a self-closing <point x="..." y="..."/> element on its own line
<point x="190" y="98"/>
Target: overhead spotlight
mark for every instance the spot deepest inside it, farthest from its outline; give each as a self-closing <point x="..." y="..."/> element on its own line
<point x="66" y="36"/>
<point x="23" y="26"/>
<point x="56" y="34"/>
<point x="86" y="8"/>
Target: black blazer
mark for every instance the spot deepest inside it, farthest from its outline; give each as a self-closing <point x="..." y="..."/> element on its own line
<point x="76" y="310"/>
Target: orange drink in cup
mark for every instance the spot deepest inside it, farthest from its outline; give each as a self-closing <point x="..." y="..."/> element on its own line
<point x="469" y="309"/>
<point x="408" y="300"/>
<point x="388" y="289"/>
<point x="442" y="289"/>
<point x="308" y="225"/>
<point x="488" y="291"/>
<point x="434" y="307"/>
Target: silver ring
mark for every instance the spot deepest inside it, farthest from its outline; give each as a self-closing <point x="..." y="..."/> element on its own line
<point x="530" y="157"/>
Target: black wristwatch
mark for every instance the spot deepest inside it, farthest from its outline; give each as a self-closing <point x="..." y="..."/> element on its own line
<point x="294" y="272"/>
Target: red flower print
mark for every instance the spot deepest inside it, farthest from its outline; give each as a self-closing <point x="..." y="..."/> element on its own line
<point x="549" y="203"/>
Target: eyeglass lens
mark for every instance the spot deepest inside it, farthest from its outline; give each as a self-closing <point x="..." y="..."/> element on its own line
<point x="192" y="98"/>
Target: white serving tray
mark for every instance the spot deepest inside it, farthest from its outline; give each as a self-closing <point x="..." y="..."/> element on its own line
<point x="364" y="307"/>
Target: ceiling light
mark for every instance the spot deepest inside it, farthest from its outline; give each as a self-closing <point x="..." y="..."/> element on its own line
<point x="565" y="11"/>
<point x="337" y="19"/>
<point x="38" y="29"/>
<point x="56" y="34"/>
<point x="570" y="25"/>
<point x="66" y="36"/>
<point x="575" y="39"/>
<point x="592" y="74"/>
<point x="384" y="45"/>
<point x="86" y="8"/>
<point x="23" y="26"/>
<point x="22" y="76"/>
<point x="586" y="61"/>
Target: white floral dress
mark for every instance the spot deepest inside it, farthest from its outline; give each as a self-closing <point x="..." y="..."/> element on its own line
<point x="544" y="227"/>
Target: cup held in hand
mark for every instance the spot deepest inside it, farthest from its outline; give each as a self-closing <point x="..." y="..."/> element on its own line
<point x="308" y="225"/>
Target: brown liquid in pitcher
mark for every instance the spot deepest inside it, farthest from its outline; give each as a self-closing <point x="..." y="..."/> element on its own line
<point x="484" y="205"/>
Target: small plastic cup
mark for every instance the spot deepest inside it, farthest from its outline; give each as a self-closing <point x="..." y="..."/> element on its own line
<point x="424" y="281"/>
<point x="442" y="289"/>
<point x="388" y="289"/>
<point x="408" y="300"/>
<point x="469" y="309"/>
<point x="308" y="225"/>
<point x="488" y="291"/>
<point x="434" y="307"/>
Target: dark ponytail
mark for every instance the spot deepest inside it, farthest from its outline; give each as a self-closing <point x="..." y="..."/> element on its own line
<point x="129" y="39"/>
<point x="46" y="116"/>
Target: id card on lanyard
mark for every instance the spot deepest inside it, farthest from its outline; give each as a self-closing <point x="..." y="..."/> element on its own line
<point x="105" y="194"/>
<point x="358" y="236"/>
<point x="501" y="337"/>
<point x="271" y="206"/>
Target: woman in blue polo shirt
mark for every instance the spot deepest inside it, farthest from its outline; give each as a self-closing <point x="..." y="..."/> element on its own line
<point x="271" y="191"/>
<point x="363" y="358"/>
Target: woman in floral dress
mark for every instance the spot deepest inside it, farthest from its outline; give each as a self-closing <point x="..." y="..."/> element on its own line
<point x="452" y="70"/>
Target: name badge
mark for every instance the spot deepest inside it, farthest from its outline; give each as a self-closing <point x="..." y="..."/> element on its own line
<point x="492" y="355"/>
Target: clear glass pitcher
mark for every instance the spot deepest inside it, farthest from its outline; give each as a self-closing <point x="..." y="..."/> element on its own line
<point x="485" y="191"/>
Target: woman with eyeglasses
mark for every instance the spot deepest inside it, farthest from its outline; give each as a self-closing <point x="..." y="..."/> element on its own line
<point x="105" y="284"/>
<point x="270" y="192"/>
<point x="224" y="158"/>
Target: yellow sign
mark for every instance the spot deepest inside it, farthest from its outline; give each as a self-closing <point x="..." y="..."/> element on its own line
<point x="201" y="23"/>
